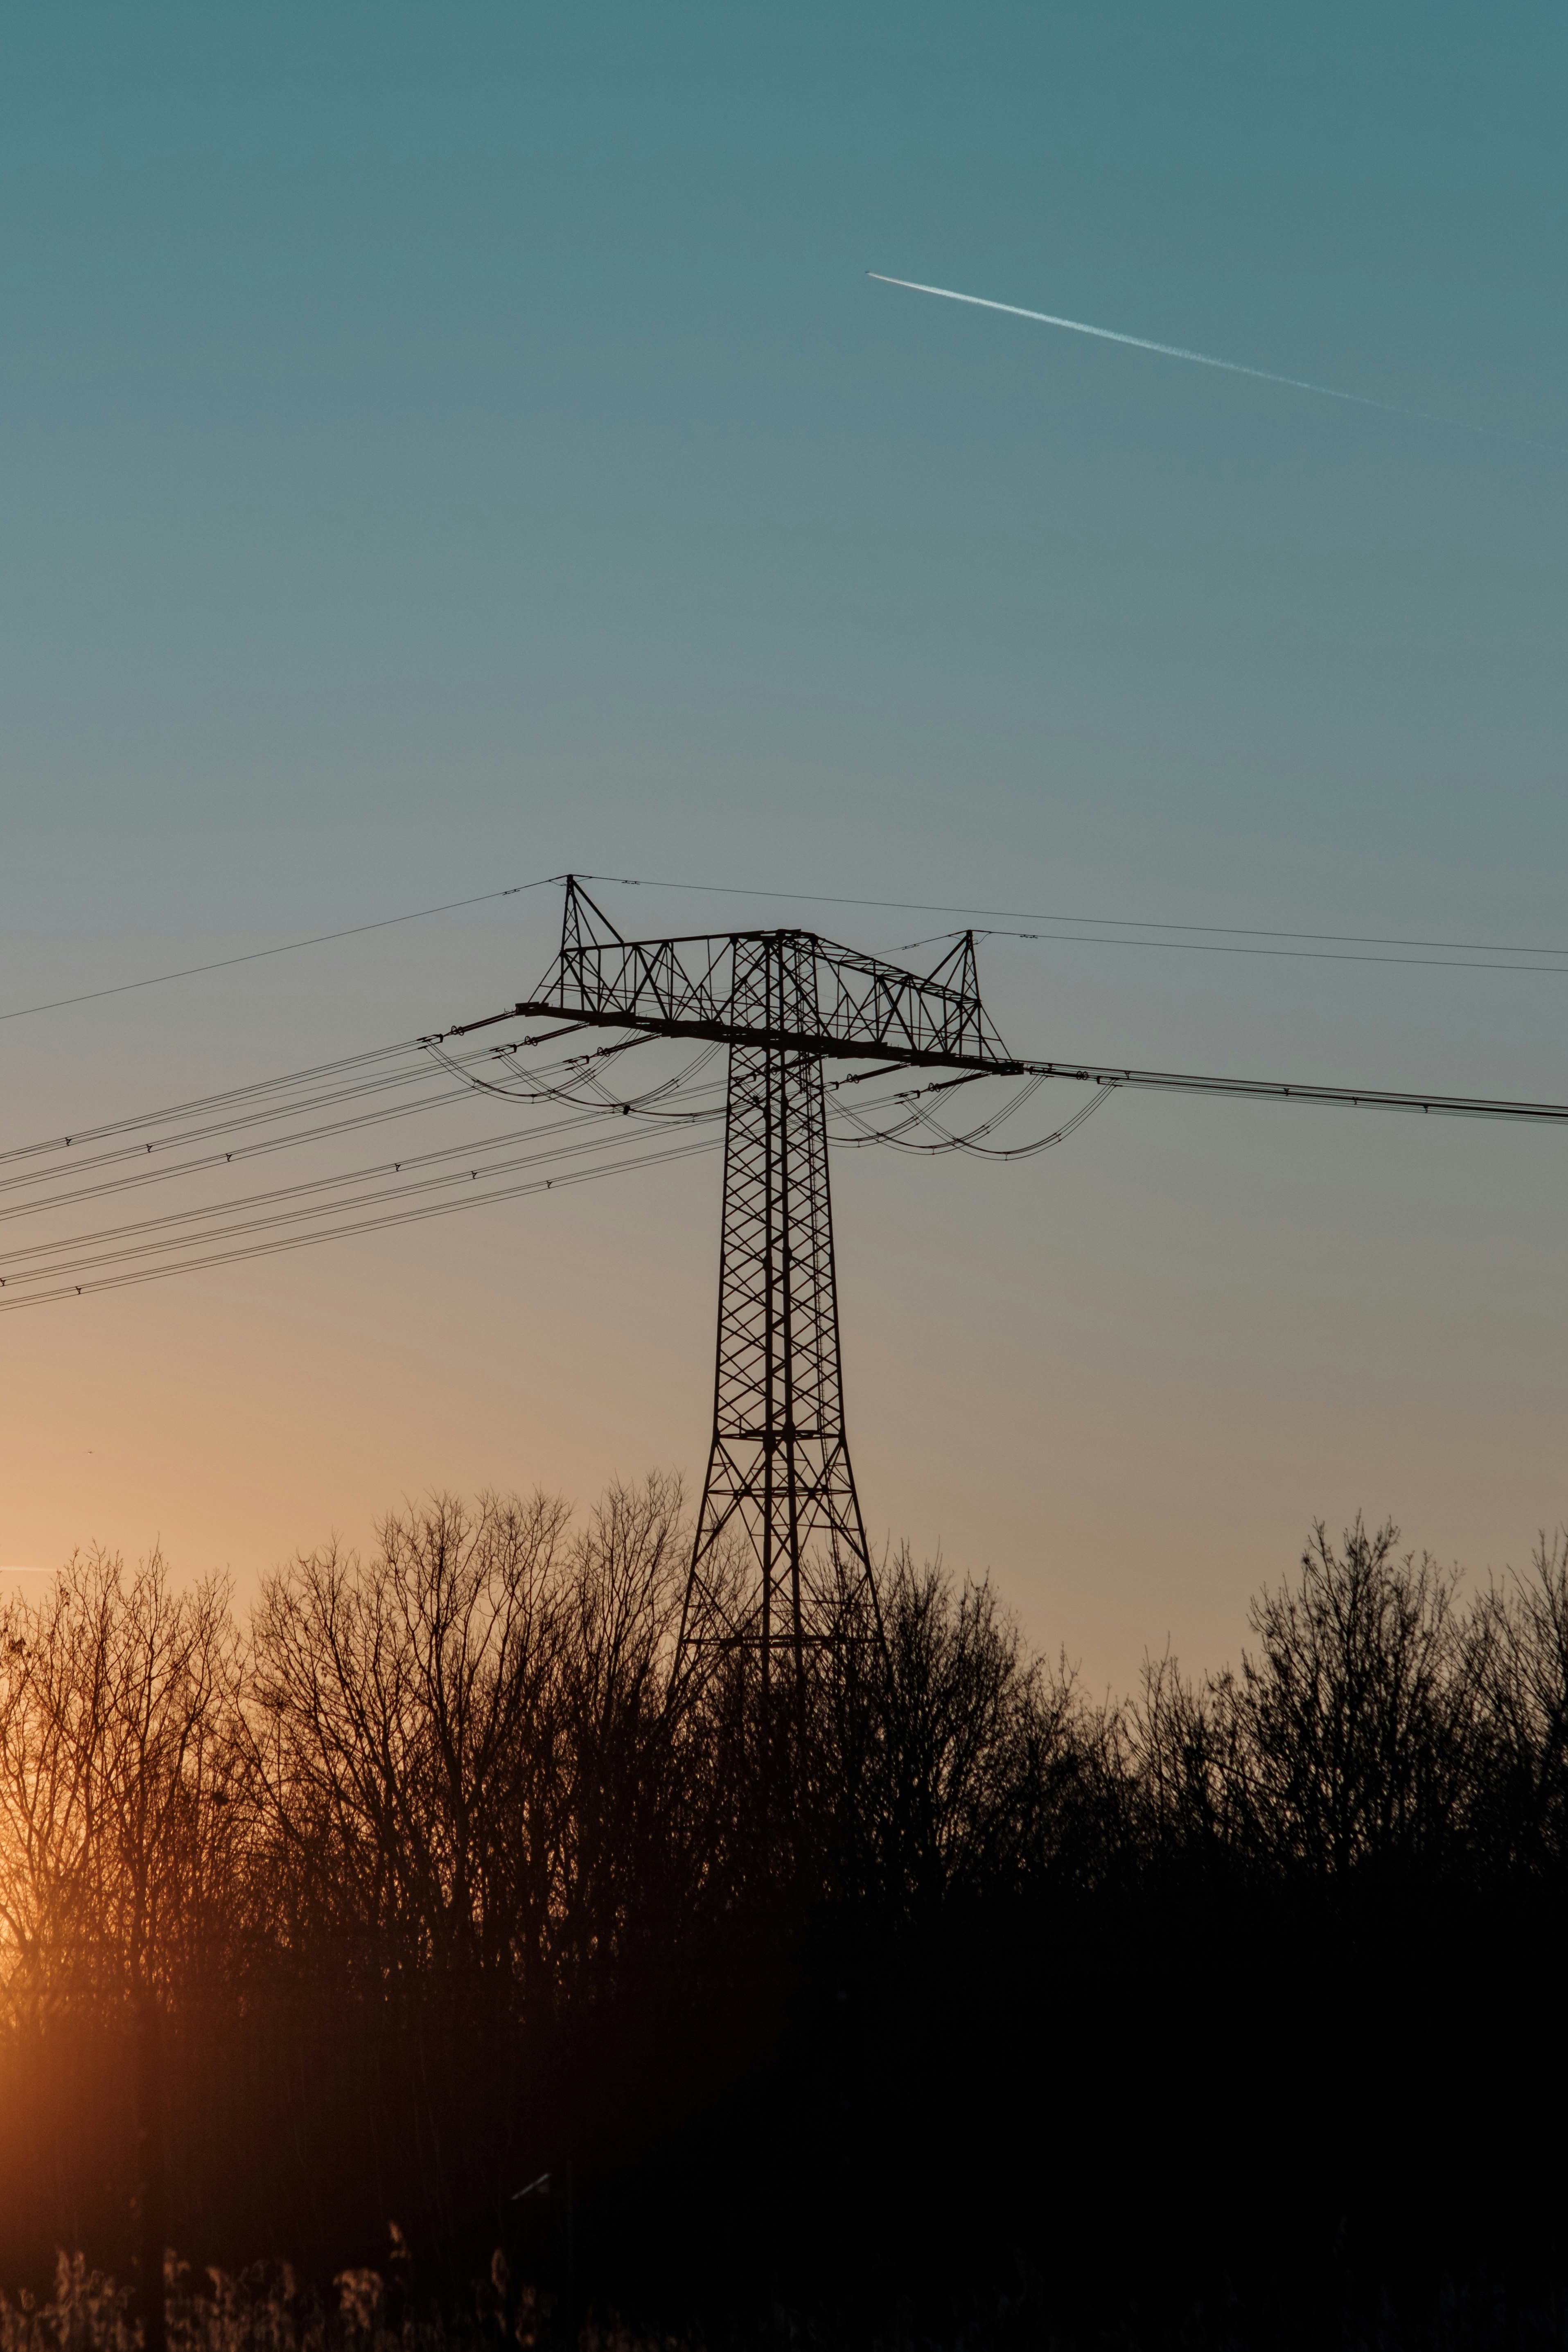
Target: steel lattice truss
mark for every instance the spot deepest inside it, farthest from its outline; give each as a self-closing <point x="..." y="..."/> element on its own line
<point x="847" y="1005"/>
<point x="778" y="1470"/>
<point x="779" y="1481"/>
<point x="779" y="1486"/>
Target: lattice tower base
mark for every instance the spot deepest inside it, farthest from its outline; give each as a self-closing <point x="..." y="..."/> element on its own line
<point x="779" y="1498"/>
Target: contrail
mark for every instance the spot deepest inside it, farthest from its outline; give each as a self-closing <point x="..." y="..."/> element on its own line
<point x="1206" y="359"/>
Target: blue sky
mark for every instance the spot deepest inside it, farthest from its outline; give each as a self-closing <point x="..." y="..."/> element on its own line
<point x="445" y="446"/>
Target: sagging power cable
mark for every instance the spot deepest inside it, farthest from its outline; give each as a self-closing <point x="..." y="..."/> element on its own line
<point x="68" y="1287"/>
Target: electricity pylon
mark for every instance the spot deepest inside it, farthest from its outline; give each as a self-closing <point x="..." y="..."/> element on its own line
<point x="783" y="1001"/>
<point x="779" y="1484"/>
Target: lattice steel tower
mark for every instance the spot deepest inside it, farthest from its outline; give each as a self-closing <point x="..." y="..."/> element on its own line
<point x="779" y="1486"/>
<point x="778" y="1468"/>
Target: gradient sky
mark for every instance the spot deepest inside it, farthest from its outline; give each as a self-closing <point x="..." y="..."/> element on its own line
<point x="445" y="446"/>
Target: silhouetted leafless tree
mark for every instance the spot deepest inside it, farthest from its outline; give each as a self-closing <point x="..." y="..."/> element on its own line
<point x="1519" y="1653"/>
<point x="630" y="1765"/>
<point x="118" y="1847"/>
<point x="408" y="1740"/>
<point x="1352" y="1719"/>
<point x="457" y="1806"/>
<point x="984" y="1757"/>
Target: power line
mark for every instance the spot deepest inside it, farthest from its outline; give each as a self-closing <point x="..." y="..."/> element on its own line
<point x="288" y="1108"/>
<point x="1108" y="922"/>
<point x="284" y="947"/>
<point x="138" y="1154"/>
<point x="205" y="1134"/>
<point x="221" y="1231"/>
<point x="472" y="1149"/>
<point x="370" y="1225"/>
<point x="249" y="1109"/>
<point x="916" y="1114"/>
<point x="1463" y="949"/>
<point x="134" y="1245"/>
<point x="195" y="1105"/>
<point x="1306" y="955"/>
<point x="533" y="1089"/>
<point x="1188" y="1082"/>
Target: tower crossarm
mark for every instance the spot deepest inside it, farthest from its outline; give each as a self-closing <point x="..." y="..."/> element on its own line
<point x="854" y="1007"/>
<point x="858" y="1005"/>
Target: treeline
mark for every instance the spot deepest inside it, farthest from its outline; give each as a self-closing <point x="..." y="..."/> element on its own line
<point x="447" y="1870"/>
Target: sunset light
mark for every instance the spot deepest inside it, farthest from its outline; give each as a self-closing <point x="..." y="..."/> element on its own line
<point x="783" y="1559"/>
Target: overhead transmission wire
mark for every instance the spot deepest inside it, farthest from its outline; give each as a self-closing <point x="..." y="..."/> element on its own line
<point x="141" y="1175"/>
<point x="279" y="1218"/>
<point x="1473" y="962"/>
<point x="905" y="1119"/>
<point x="645" y="1103"/>
<point x="1114" y="923"/>
<point x="915" y="1112"/>
<point x="362" y="1200"/>
<point x="185" y="1238"/>
<point x="277" y="1104"/>
<point x="283" y="947"/>
<point x="270" y="1248"/>
<point x="1103" y="929"/>
<point x="345" y="1202"/>
<point x="185" y="1133"/>
<point x="471" y="1150"/>
<point x="395" y="1082"/>
<point x="427" y="1073"/>
<point x="292" y="1137"/>
<point x="200" y="1105"/>
<point x="467" y="1154"/>
<point x="908" y="1103"/>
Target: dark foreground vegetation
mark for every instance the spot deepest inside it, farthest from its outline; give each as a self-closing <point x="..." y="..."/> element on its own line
<point x="934" y="1999"/>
